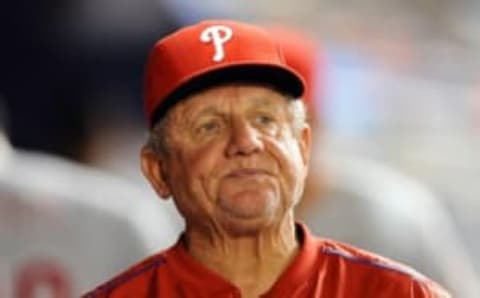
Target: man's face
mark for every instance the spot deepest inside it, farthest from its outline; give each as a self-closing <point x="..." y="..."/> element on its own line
<point x="235" y="162"/>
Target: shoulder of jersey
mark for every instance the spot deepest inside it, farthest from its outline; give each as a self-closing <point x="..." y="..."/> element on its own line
<point x="362" y="258"/>
<point x="130" y="277"/>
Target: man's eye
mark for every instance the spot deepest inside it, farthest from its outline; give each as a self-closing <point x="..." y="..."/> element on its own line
<point x="208" y="127"/>
<point x="264" y="119"/>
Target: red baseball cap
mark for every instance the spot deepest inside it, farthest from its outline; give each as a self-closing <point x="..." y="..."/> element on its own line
<point x="210" y="53"/>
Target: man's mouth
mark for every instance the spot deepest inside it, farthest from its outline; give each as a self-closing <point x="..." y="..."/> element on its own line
<point x="247" y="172"/>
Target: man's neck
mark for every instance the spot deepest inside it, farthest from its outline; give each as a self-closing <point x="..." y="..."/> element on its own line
<point x="253" y="263"/>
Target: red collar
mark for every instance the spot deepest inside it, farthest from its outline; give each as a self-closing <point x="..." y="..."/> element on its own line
<point x="296" y="274"/>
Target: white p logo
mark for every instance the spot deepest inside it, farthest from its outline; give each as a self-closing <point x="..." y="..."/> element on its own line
<point x="218" y="35"/>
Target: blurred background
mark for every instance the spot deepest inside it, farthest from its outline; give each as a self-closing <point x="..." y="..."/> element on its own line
<point x="397" y="94"/>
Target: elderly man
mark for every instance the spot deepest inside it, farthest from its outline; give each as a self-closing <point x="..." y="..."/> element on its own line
<point x="230" y="144"/>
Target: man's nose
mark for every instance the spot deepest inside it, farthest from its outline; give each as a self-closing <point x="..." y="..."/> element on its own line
<point x="244" y="139"/>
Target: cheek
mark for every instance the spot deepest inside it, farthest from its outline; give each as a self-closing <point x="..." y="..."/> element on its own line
<point x="286" y="152"/>
<point x="199" y="168"/>
<point x="202" y="161"/>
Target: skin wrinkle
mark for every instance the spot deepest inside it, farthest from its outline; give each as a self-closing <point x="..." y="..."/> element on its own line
<point x="158" y="139"/>
<point x="253" y="240"/>
<point x="177" y="117"/>
<point x="188" y="112"/>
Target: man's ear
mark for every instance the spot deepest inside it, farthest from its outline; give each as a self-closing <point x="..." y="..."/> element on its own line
<point x="152" y="169"/>
<point x="305" y="143"/>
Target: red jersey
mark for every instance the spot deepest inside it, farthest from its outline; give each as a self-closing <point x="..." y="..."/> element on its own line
<point x="322" y="268"/>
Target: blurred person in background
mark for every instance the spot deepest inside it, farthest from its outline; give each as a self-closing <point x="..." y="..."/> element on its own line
<point x="229" y="143"/>
<point x="64" y="226"/>
<point x="360" y="201"/>
<point x="54" y="61"/>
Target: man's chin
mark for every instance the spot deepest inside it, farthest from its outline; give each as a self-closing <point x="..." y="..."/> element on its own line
<point x="245" y="226"/>
<point x="248" y="204"/>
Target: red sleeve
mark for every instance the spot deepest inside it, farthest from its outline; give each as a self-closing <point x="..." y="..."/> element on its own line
<point x="428" y="289"/>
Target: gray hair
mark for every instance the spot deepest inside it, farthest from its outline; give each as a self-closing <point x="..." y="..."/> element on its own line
<point x="159" y="139"/>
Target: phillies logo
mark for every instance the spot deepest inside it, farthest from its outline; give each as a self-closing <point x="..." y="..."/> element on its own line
<point x="218" y="35"/>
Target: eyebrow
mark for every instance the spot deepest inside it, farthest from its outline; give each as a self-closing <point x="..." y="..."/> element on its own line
<point x="193" y="116"/>
<point x="203" y="111"/>
<point x="259" y="102"/>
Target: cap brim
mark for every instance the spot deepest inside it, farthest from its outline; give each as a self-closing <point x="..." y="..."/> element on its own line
<point x="282" y="79"/>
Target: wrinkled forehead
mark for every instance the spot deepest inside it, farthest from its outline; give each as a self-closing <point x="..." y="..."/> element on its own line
<point x="230" y="96"/>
